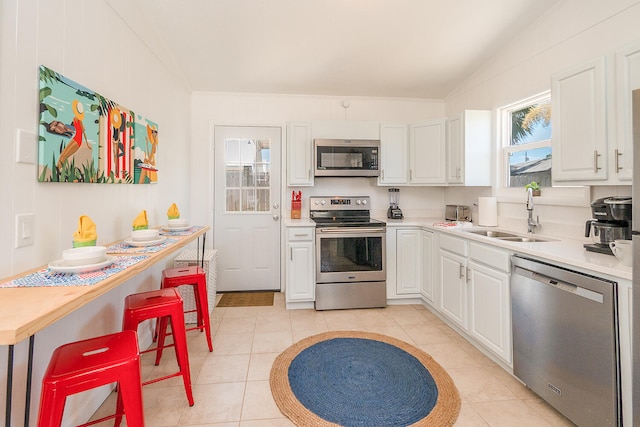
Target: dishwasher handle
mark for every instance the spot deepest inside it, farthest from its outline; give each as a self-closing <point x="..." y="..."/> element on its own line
<point x="561" y="285"/>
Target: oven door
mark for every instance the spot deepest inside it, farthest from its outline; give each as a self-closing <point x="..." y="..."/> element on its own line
<point x="350" y="254"/>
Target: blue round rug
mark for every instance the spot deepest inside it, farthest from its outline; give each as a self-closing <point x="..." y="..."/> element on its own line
<point x="350" y="378"/>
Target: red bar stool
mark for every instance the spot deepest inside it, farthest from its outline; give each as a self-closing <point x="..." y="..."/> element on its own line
<point x="163" y="304"/>
<point x="92" y="363"/>
<point x="196" y="277"/>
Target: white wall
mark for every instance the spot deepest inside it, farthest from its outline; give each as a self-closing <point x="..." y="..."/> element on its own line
<point x="572" y="32"/>
<point x="210" y="109"/>
<point x="87" y="42"/>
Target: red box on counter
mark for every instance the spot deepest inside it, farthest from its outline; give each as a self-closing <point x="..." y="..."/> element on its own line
<point x="296" y="209"/>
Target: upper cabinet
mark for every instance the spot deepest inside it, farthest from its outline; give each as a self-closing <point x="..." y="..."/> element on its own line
<point x="393" y="154"/>
<point x="299" y="155"/>
<point x="427" y="152"/>
<point x="414" y="160"/>
<point x="469" y="149"/>
<point x="627" y="64"/>
<point x="591" y="114"/>
<point x="578" y="111"/>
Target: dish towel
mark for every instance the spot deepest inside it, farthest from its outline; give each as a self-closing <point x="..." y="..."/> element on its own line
<point x="141" y="223"/>
<point x="173" y="212"/>
<point x="86" y="234"/>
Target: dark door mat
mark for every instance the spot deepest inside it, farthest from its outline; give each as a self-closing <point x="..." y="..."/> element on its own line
<point x="246" y="299"/>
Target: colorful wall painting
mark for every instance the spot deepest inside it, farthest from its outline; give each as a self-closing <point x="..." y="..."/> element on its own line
<point x="145" y="167"/>
<point x="85" y="137"/>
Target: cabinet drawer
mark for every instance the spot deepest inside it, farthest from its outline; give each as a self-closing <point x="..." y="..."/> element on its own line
<point x="489" y="255"/>
<point x="453" y="244"/>
<point x="299" y="233"/>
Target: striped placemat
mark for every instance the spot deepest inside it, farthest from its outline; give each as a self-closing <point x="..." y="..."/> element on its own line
<point x="46" y="277"/>
<point x="124" y="248"/>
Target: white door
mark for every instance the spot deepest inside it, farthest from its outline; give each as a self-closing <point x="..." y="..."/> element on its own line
<point x="247" y="207"/>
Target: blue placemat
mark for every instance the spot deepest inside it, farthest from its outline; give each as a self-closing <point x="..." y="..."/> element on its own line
<point x="123" y="248"/>
<point x="46" y="277"/>
<point x="189" y="231"/>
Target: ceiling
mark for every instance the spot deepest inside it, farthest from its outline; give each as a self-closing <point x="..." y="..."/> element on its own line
<point x="379" y="48"/>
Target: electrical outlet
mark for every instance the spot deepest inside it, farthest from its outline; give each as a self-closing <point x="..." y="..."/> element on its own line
<point x="25" y="228"/>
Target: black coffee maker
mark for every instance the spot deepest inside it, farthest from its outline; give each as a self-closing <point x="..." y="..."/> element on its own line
<point x="612" y="222"/>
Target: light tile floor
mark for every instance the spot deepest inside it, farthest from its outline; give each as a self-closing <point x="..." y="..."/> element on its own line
<point x="231" y="385"/>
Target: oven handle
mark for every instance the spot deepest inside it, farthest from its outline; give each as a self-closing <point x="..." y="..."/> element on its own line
<point x="355" y="230"/>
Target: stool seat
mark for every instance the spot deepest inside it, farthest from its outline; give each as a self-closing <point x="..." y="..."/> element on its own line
<point x="192" y="276"/>
<point x="92" y="363"/>
<point x="166" y="306"/>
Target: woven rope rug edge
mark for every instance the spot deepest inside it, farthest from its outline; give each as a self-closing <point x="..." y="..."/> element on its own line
<point x="444" y="413"/>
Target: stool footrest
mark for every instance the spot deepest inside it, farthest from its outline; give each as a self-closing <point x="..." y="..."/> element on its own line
<point x="108" y="417"/>
<point x="166" y="377"/>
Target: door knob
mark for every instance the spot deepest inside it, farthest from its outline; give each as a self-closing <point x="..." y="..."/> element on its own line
<point x="276" y="206"/>
<point x="276" y="217"/>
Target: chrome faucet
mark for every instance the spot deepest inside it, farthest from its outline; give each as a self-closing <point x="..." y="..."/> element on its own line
<point x="532" y="224"/>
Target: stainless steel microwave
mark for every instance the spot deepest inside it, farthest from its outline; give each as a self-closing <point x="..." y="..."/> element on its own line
<point x="346" y="157"/>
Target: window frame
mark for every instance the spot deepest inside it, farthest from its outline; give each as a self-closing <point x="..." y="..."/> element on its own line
<point x="554" y="195"/>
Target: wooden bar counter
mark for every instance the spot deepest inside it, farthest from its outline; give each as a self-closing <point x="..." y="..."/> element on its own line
<point x="24" y="311"/>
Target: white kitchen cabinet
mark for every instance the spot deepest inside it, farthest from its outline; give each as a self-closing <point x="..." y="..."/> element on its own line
<point x="299" y="155"/>
<point x="300" y="262"/>
<point x="414" y="159"/>
<point x="578" y="111"/>
<point x="490" y="299"/>
<point x="393" y="154"/>
<point x="427" y="152"/>
<point x="427" y="264"/>
<point x="452" y="265"/>
<point x="408" y="261"/>
<point x="468" y="155"/>
<point x="627" y="79"/>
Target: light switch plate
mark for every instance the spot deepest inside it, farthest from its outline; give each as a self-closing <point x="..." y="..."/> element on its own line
<point x="25" y="228"/>
<point x="26" y="144"/>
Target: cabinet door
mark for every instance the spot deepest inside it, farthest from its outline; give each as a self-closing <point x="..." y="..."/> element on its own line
<point x="300" y="271"/>
<point x="408" y="261"/>
<point x="489" y="310"/>
<point x="427" y="154"/>
<point x="455" y="149"/>
<point x="453" y="289"/>
<point x="393" y="154"/>
<point x="426" y="288"/>
<point x="627" y="80"/>
<point x="579" y="137"/>
<point x="299" y="155"/>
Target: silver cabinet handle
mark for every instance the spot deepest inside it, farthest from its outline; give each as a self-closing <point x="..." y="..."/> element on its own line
<point x="291" y="254"/>
<point x="617" y="155"/>
<point x="309" y="174"/>
<point x="410" y="174"/>
<point x="595" y="161"/>
<point x="461" y="271"/>
<point x="382" y="174"/>
<point x="468" y="275"/>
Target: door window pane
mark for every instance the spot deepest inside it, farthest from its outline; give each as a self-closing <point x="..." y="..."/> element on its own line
<point x="247" y="168"/>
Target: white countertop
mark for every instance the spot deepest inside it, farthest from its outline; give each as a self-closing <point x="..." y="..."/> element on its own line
<point x="567" y="252"/>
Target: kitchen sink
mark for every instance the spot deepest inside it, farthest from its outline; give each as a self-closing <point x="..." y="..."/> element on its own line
<point x="509" y="237"/>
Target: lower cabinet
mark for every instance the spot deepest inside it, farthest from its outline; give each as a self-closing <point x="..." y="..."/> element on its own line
<point x="300" y="271"/>
<point x="408" y="260"/>
<point x="474" y="292"/>
<point x="410" y="269"/>
<point x="453" y="283"/>
<point x="490" y="299"/>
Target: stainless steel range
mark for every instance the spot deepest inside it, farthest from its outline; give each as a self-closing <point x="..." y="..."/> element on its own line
<point x="350" y="254"/>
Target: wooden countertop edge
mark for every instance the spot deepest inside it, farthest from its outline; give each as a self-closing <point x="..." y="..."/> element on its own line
<point x="41" y="321"/>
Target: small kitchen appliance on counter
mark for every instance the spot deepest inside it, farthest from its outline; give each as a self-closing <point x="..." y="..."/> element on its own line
<point x="394" y="211"/>
<point x="612" y="222"/>
<point x="457" y="213"/>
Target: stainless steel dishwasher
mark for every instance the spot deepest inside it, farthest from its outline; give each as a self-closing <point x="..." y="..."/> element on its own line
<point x="565" y="340"/>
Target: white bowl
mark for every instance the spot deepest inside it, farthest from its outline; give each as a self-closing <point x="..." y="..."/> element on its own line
<point x="84" y="255"/>
<point x="178" y="222"/>
<point x="148" y="234"/>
